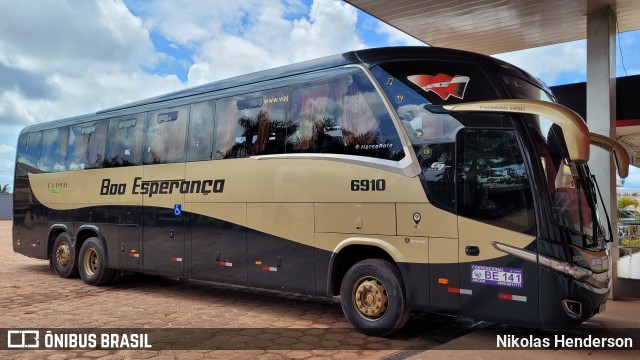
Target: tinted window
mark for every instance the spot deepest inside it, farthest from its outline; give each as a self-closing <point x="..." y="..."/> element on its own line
<point x="416" y="90"/>
<point x="29" y="147"/>
<point x="124" y="147"/>
<point x="568" y="182"/>
<point x="342" y="116"/>
<point x="87" y="144"/>
<point x="165" y="135"/>
<point x="252" y="124"/>
<point x="200" y="140"/>
<point x="521" y="89"/>
<point x="493" y="185"/>
<point x="54" y="149"/>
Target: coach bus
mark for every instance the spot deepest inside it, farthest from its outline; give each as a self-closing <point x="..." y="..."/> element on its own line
<point x="400" y="179"/>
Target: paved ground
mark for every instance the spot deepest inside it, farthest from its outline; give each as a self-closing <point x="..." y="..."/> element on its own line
<point x="285" y="325"/>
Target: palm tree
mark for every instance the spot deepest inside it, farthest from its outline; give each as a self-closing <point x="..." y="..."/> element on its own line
<point x="4" y="189"/>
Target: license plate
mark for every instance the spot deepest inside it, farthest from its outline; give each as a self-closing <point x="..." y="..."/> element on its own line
<point x="489" y="275"/>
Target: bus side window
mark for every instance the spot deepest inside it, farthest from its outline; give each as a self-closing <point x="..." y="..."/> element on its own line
<point x="124" y="146"/>
<point x="87" y="143"/>
<point x="366" y="124"/>
<point x="54" y="149"/>
<point x="313" y="119"/>
<point x="227" y="131"/>
<point x="29" y="147"/>
<point x="493" y="185"/>
<point x="165" y="135"/>
<point x="342" y="116"/>
<point x="199" y="143"/>
<point x="252" y="124"/>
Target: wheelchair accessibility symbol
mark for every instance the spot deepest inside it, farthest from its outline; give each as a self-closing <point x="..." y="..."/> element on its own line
<point x="177" y="210"/>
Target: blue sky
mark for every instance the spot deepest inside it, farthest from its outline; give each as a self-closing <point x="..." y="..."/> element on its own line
<point x="65" y="58"/>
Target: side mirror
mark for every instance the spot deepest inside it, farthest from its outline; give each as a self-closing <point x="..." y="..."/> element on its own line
<point x="576" y="133"/>
<point x="618" y="151"/>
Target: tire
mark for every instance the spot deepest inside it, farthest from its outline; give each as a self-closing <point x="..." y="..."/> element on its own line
<point x="64" y="256"/>
<point x="373" y="298"/>
<point x="92" y="263"/>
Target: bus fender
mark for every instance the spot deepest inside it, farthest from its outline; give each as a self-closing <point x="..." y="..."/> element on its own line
<point x="100" y="236"/>
<point x="62" y="227"/>
<point x="395" y="254"/>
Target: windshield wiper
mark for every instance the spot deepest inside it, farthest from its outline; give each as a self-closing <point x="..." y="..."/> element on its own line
<point x="606" y="213"/>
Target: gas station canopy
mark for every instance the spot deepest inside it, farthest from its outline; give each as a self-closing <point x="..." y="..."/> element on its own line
<point x="496" y="26"/>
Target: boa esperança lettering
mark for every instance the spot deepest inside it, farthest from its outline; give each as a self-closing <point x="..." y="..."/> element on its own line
<point x="163" y="187"/>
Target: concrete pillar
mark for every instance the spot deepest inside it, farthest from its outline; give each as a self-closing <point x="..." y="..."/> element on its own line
<point x="601" y="110"/>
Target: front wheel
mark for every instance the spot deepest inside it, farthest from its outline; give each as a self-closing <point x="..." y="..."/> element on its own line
<point x="92" y="263"/>
<point x="373" y="299"/>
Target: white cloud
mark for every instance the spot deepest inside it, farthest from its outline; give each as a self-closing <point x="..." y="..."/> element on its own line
<point x="193" y="22"/>
<point x="66" y="58"/>
<point x="331" y="28"/>
<point x="4" y="149"/>
<point x="83" y="94"/>
<point x="69" y="58"/>
<point x="228" y="56"/>
<point x="550" y="62"/>
<point x="66" y="37"/>
<point x="396" y="37"/>
<point x="237" y="37"/>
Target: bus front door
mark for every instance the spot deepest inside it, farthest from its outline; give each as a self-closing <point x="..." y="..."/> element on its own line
<point x="496" y="218"/>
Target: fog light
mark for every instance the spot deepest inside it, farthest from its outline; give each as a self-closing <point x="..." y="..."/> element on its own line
<point x="572" y="308"/>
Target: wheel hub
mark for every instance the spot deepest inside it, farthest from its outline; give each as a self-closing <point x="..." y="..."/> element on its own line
<point x="91" y="261"/>
<point x="370" y="298"/>
<point x="63" y="254"/>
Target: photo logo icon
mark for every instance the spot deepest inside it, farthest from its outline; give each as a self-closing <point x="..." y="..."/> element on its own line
<point x="23" y="339"/>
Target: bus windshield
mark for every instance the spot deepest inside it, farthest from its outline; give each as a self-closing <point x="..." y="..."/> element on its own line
<point x="571" y="187"/>
<point x="574" y="196"/>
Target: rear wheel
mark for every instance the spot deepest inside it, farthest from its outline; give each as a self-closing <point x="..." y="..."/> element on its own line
<point x="373" y="299"/>
<point x="63" y="256"/>
<point x="92" y="263"/>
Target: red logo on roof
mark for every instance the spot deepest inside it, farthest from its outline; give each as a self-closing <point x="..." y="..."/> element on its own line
<point x="442" y="84"/>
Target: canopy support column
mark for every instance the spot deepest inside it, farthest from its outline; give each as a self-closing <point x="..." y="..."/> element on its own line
<point x="601" y="111"/>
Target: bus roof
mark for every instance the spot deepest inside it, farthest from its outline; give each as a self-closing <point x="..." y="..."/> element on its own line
<point x="367" y="57"/>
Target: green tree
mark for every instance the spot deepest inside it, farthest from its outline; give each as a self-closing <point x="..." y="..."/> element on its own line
<point x="623" y="205"/>
<point x="4" y="189"/>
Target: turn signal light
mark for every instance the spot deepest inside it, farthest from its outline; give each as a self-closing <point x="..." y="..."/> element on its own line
<point x="443" y="281"/>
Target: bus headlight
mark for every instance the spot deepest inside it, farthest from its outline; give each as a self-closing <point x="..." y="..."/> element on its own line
<point x="576" y="272"/>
